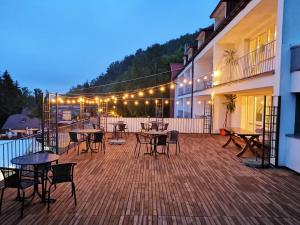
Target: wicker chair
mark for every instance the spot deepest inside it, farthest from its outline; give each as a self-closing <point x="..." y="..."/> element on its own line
<point x="13" y="178"/>
<point x="98" y="138"/>
<point x="162" y="141"/>
<point x="141" y="140"/>
<point x="74" y="139"/>
<point x="121" y="128"/>
<point x="173" y="138"/>
<point x="166" y="125"/>
<point x="61" y="173"/>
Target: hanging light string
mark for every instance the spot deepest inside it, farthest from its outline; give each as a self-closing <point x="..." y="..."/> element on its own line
<point x="129" y="80"/>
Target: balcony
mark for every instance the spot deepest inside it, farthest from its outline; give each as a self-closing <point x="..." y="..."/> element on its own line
<point x="203" y="82"/>
<point x="260" y="61"/>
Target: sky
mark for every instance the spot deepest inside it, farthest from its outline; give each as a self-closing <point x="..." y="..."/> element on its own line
<point x="56" y="44"/>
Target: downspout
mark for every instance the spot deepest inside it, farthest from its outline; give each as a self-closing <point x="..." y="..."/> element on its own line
<point x="192" y="94"/>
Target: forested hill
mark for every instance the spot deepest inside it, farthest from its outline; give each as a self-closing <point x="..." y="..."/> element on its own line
<point x="154" y="59"/>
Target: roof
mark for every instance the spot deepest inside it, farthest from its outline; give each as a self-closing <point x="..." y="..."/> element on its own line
<point x="21" y="121"/>
<point x="216" y="9"/>
<point x="175" y="68"/>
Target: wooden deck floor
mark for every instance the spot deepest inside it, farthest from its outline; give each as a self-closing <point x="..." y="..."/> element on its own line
<point x="205" y="184"/>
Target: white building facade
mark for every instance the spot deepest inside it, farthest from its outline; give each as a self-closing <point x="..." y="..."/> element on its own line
<point x="250" y="52"/>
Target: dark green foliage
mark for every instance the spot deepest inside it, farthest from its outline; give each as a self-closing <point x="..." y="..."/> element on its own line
<point x="13" y="98"/>
<point x="155" y="59"/>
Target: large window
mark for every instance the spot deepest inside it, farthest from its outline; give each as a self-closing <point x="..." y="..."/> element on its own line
<point x="252" y="112"/>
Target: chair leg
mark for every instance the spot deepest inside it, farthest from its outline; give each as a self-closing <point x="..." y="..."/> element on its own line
<point x="168" y="148"/>
<point x="23" y="200"/>
<point x="1" y="199"/>
<point x="139" y="149"/>
<point x="74" y="193"/>
<point x="78" y="146"/>
<point x="135" y="148"/>
<point x="49" y="189"/>
<point x="176" y="149"/>
<point x="147" y="148"/>
<point x="68" y="147"/>
<point x="178" y="146"/>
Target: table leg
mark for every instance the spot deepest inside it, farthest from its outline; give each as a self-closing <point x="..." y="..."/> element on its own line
<point x="228" y="141"/>
<point x="247" y="145"/>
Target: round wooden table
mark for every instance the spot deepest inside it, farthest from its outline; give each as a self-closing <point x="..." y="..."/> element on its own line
<point x="36" y="160"/>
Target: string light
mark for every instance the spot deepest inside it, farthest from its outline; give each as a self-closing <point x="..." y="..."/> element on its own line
<point x="167" y="102"/>
<point x="198" y="80"/>
<point x="190" y="82"/>
<point x="151" y="91"/>
<point x="136" y="102"/>
<point x="181" y="84"/>
<point x="188" y="102"/>
<point x="125" y="103"/>
<point x="172" y="86"/>
<point x="115" y="101"/>
<point x="73" y="101"/>
<point x="199" y="102"/>
<point x="132" y="96"/>
<point x="147" y="102"/>
<point x="205" y="78"/>
<point x="68" y="101"/>
<point x="185" y="81"/>
<point x="141" y="94"/>
<point x="156" y="101"/>
<point x="114" y="106"/>
<point x="162" y="89"/>
<point x="177" y="102"/>
<point x="53" y="100"/>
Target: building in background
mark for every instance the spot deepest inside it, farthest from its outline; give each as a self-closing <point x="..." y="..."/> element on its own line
<point x="250" y="52"/>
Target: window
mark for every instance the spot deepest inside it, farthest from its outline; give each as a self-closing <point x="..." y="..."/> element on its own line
<point x="297" y="116"/>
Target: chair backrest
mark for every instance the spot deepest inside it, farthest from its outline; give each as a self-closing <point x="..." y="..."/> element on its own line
<point x="73" y="137"/>
<point x="94" y="126"/>
<point x="173" y="135"/>
<point x="121" y="126"/>
<point x="166" y="125"/>
<point x="161" y="140"/>
<point x="154" y="126"/>
<point x="12" y="177"/>
<point x="98" y="137"/>
<point x="62" y="172"/>
<point x="143" y="126"/>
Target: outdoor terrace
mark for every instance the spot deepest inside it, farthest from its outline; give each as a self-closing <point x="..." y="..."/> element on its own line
<point x="204" y="184"/>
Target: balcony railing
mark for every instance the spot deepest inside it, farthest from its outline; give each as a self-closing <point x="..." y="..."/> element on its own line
<point x="254" y="63"/>
<point x="203" y="82"/>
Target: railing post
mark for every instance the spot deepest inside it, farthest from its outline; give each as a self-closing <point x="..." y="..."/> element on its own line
<point x="56" y="123"/>
<point x="43" y="122"/>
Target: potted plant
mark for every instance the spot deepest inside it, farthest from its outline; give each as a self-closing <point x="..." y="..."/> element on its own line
<point x="230" y="108"/>
<point x="231" y="60"/>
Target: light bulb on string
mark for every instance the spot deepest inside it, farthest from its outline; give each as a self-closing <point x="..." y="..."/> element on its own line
<point x="136" y="102"/>
<point x="147" y="102"/>
<point x="125" y="102"/>
<point x="156" y="101"/>
<point x="141" y="94"/>
<point x="162" y="89"/>
<point x="181" y="84"/>
<point x="172" y="86"/>
<point x="151" y="91"/>
<point x="132" y="95"/>
<point x="166" y="102"/>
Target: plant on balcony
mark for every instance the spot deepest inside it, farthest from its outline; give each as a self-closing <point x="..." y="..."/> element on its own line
<point x="231" y="60"/>
<point x="230" y="107"/>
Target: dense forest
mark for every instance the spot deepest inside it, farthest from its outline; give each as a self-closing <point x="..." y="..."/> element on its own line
<point x="13" y="98"/>
<point x="154" y="59"/>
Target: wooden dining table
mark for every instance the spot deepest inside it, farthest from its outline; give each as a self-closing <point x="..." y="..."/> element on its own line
<point x="87" y="133"/>
<point x="250" y="138"/>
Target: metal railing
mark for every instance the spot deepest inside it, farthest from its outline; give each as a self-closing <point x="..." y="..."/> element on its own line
<point x="203" y="82"/>
<point x="254" y="63"/>
<point x="12" y="148"/>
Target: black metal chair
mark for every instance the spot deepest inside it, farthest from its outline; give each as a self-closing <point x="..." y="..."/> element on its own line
<point x="141" y="140"/>
<point x="166" y="125"/>
<point x="13" y="178"/>
<point x="173" y="138"/>
<point x="121" y="128"/>
<point x="94" y="126"/>
<point x="61" y="173"/>
<point x="154" y="126"/>
<point x="74" y="139"/>
<point x="161" y="140"/>
<point x="143" y="127"/>
<point x="98" y="138"/>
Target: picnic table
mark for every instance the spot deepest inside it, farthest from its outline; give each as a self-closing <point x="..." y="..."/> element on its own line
<point x="250" y="138"/>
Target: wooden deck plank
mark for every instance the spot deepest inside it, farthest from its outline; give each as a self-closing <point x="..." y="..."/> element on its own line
<point x="204" y="184"/>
